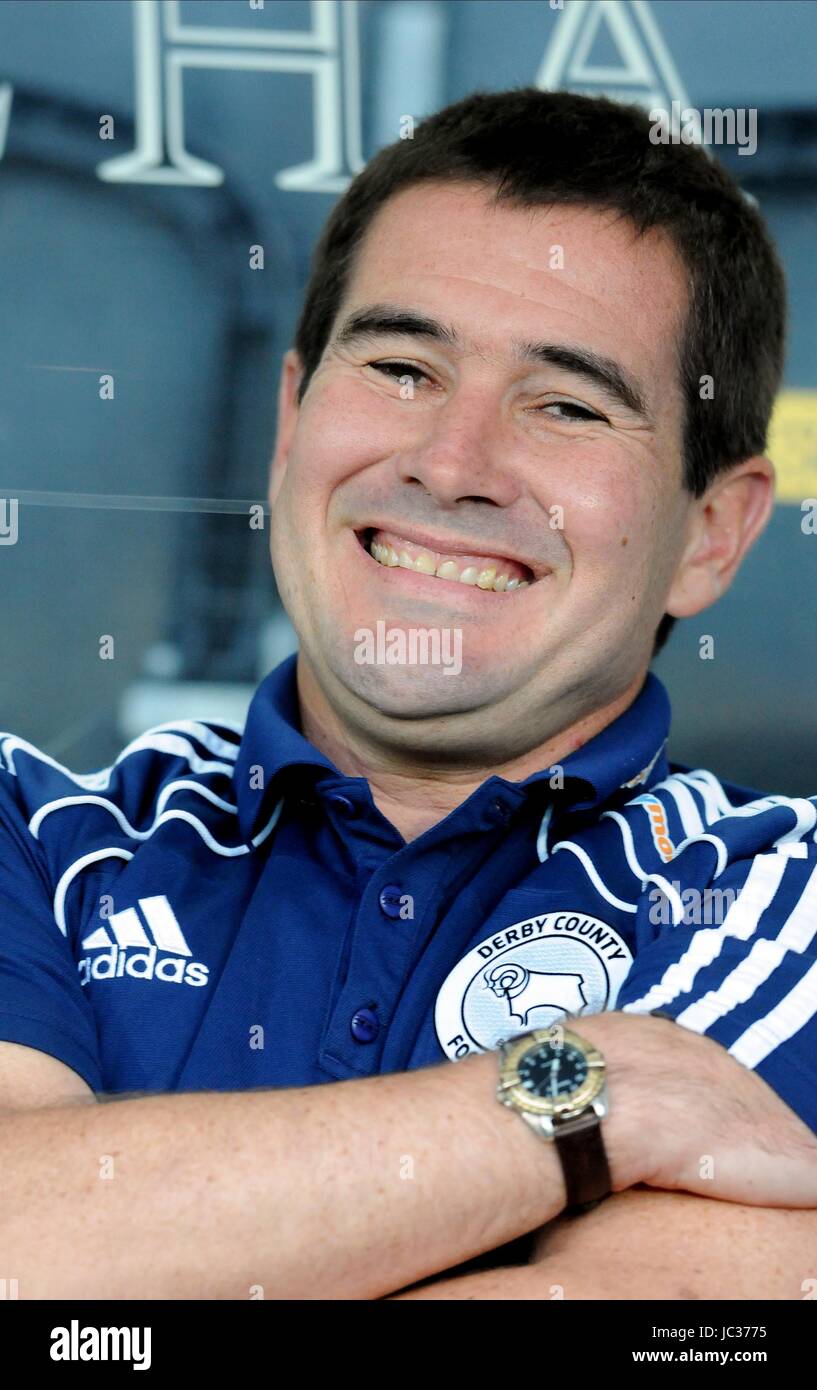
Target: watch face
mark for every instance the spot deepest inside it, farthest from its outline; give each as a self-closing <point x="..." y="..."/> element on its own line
<point x="551" y="1078"/>
<point x="553" y="1072"/>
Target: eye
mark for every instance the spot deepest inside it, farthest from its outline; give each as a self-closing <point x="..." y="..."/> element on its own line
<point x="397" y="369"/>
<point x="582" y="412"/>
<point x="577" y="412"/>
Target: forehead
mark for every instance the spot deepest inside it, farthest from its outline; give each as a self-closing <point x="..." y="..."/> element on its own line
<point x="501" y="272"/>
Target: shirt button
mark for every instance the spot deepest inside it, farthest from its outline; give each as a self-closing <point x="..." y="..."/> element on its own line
<point x="343" y="804"/>
<point x="498" y="809"/>
<point x="365" y="1025"/>
<point x="390" y="900"/>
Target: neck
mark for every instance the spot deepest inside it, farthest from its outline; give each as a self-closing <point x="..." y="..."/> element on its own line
<point x="412" y="792"/>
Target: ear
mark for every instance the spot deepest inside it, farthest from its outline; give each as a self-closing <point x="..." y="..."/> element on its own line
<point x="291" y="374"/>
<point x="723" y="526"/>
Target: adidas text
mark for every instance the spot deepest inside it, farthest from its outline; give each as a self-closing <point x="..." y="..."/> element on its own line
<point x="141" y="965"/>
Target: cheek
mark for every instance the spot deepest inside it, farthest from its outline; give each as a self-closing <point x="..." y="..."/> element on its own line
<point x="336" y="437"/>
<point x="616" y="528"/>
<point x="349" y="422"/>
<point x="608" y="519"/>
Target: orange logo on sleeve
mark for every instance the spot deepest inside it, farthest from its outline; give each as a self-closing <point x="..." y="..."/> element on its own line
<point x="658" y="825"/>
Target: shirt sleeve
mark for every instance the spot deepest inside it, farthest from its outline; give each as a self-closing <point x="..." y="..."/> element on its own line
<point x="733" y="955"/>
<point x="41" y="1000"/>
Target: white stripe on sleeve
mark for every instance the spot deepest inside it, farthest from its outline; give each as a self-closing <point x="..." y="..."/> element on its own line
<point x="740" y="984"/>
<point x="791" y="1014"/>
<point x="762" y="882"/>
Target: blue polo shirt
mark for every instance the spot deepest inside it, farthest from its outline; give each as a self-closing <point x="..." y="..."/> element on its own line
<point x="223" y="909"/>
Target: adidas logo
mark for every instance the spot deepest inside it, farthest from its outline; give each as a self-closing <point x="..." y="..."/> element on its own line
<point x="131" y="951"/>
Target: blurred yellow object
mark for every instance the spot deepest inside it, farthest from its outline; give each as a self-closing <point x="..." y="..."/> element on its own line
<point x="793" y="445"/>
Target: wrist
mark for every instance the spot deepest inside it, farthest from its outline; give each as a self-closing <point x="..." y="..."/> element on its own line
<point x="526" y="1170"/>
<point x="629" y="1129"/>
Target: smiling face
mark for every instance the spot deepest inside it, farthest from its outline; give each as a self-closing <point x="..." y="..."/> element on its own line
<point x="499" y="454"/>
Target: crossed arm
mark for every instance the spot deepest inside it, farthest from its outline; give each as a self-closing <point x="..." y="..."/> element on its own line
<point x="649" y="1243"/>
<point x="644" y="1244"/>
<point x="362" y="1188"/>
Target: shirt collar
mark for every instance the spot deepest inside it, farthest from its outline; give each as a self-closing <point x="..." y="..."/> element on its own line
<point x="272" y="742"/>
<point x="628" y="753"/>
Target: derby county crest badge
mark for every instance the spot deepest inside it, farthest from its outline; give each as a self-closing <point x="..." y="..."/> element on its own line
<point x="528" y="976"/>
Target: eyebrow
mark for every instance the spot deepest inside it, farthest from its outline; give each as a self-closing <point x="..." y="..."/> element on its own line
<point x="386" y="320"/>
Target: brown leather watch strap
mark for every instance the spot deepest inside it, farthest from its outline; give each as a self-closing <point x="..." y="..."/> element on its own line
<point x="584" y="1161"/>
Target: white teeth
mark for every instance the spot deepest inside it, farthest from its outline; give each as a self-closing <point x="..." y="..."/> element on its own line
<point x="384" y="554"/>
<point x="447" y="569"/>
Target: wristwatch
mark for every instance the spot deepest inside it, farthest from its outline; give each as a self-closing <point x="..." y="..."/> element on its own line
<point x="556" y="1081"/>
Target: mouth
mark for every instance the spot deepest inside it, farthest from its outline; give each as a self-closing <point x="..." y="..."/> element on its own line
<point x="491" y="573"/>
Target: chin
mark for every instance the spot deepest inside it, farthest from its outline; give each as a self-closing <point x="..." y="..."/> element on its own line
<point x="414" y="692"/>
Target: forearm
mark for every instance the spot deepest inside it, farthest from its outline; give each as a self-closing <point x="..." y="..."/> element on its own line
<point x="643" y="1244"/>
<point x="356" y="1189"/>
<point x="695" y="1120"/>
<point x="346" y="1190"/>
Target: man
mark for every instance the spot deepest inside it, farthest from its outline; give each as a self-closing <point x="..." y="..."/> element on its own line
<point x="496" y="429"/>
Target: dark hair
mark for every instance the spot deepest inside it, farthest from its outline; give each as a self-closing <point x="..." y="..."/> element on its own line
<point x="532" y="148"/>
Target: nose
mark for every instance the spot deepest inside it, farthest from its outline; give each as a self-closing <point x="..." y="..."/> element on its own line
<point x="462" y="459"/>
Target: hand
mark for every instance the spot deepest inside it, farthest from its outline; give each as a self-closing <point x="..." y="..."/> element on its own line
<point x="684" y="1115"/>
